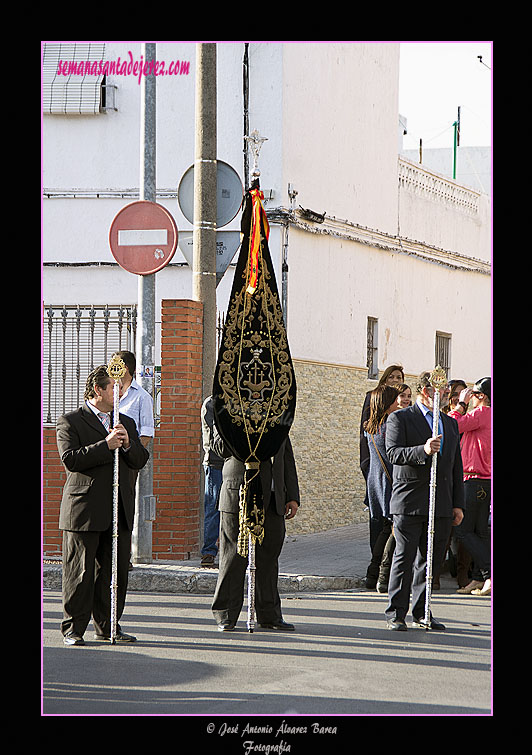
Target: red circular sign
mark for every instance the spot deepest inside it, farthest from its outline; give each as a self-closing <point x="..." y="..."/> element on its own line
<point x="143" y="237"/>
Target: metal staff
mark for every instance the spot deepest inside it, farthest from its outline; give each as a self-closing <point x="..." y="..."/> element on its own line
<point x="254" y="141"/>
<point x="248" y="533"/>
<point x="116" y="369"/>
<point x="438" y="380"/>
<point x="251" y="584"/>
<point x="255" y="532"/>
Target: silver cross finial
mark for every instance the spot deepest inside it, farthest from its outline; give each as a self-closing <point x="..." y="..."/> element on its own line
<point x="255" y="142"/>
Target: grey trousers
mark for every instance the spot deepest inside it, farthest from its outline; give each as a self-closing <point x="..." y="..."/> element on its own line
<point x="229" y="593"/>
<point x="409" y="564"/>
<point x="87" y="566"/>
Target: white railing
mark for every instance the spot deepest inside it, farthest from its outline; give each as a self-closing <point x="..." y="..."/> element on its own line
<point x="431" y="185"/>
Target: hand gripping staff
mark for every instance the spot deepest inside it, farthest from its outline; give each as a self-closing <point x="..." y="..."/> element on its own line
<point x="438" y="380"/>
<point x="116" y="369"/>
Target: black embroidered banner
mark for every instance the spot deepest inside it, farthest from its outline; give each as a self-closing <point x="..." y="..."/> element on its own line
<point x="254" y="389"/>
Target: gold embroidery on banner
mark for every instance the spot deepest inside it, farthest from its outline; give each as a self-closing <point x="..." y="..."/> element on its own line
<point x="255" y="389"/>
<point x="255" y="378"/>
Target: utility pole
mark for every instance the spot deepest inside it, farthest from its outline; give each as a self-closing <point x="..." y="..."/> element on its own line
<point x="456" y="125"/>
<point x="145" y="346"/>
<point x="205" y="205"/>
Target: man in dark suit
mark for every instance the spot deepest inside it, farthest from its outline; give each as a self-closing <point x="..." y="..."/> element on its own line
<point x="281" y="500"/>
<point x="410" y="446"/>
<point x="86" y="441"/>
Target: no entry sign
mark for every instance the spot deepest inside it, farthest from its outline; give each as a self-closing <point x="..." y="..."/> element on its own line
<point x="143" y="237"/>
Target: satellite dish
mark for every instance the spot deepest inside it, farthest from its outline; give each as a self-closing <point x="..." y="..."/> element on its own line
<point x="229" y="194"/>
<point x="227" y="245"/>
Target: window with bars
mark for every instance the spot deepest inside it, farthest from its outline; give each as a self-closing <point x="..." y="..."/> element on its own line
<point x="76" y="339"/>
<point x="372" y="361"/>
<point x="442" y="354"/>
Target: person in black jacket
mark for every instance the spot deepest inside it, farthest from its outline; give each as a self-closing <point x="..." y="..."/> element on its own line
<point x="281" y="501"/>
<point x="86" y="440"/>
<point x="410" y="446"/>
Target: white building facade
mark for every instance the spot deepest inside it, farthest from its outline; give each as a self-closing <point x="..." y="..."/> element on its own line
<point x="399" y="251"/>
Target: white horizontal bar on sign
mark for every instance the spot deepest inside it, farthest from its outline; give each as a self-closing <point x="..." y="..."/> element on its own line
<point x="146" y="237"/>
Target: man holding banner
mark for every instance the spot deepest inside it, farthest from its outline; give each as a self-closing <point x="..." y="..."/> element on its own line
<point x="410" y="445"/>
<point x="280" y="500"/>
<point x="254" y="400"/>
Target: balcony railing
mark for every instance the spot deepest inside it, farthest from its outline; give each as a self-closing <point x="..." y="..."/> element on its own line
<point x="431" y="185"/>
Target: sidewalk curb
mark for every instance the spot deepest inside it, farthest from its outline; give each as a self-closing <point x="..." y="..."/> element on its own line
<point x="179" y="579"/>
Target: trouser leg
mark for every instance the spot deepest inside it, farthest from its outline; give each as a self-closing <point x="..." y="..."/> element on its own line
<point x="103" y="569"/>
<point x="442" y="531"/>
<point x="79" y="550"/>
<point x="473" y="532"/>
<point x="211" y="527"/>
<point x="377" y="551"/>
<point x="229" y="591"/>
<point x="268" y="602"/>
<point x="387" y="556"/>
<point x="406" y="530"/>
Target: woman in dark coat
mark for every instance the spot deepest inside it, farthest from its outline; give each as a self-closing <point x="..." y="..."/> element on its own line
<point x="384" y="400"/>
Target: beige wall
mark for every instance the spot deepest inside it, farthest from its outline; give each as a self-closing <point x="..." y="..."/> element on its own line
<point x="325" y="438"/>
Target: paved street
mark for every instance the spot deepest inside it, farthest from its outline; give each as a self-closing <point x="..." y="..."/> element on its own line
<point x="340" y="661"/>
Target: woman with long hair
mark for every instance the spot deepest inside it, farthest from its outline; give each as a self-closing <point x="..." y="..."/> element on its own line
<point x="384" y="401"/>
<point x="392" y="375"/>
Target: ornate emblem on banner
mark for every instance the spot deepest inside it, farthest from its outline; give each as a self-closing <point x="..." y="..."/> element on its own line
<point x="255" y="370"/>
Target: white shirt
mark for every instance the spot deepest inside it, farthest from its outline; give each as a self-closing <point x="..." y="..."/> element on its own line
<point x="138" y="404"/>
<point x="428" y="414"/>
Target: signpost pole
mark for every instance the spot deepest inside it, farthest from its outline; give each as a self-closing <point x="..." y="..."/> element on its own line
<point x="205" y="202"/>
<point x="145" y="346"/>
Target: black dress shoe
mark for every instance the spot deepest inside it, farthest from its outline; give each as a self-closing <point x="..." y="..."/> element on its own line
<point x="280" y="625"/>
<point x="396" y="625"/>
<point x="71" y="638"/>
<point x="226" y="626"/>
<point x="120" y="637"/>
<point x="436" y="626"/>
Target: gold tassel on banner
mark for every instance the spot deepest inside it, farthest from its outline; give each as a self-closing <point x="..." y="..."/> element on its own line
<point x="251" y="513"/>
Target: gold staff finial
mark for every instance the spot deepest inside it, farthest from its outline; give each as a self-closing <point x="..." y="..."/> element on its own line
<point x="116" y="368"/>
<point x="438" y="378"/>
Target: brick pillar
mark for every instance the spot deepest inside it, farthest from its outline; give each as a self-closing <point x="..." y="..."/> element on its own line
<point x="177" y="451"/>
<point x="53" y="479"/>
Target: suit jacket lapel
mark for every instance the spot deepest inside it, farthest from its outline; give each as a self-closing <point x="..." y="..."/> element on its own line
<point x="89" y="416"/>
<point x="421" y="422"/>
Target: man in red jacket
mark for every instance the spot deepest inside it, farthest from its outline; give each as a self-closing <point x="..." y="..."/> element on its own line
<point x="475" y="428"/>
